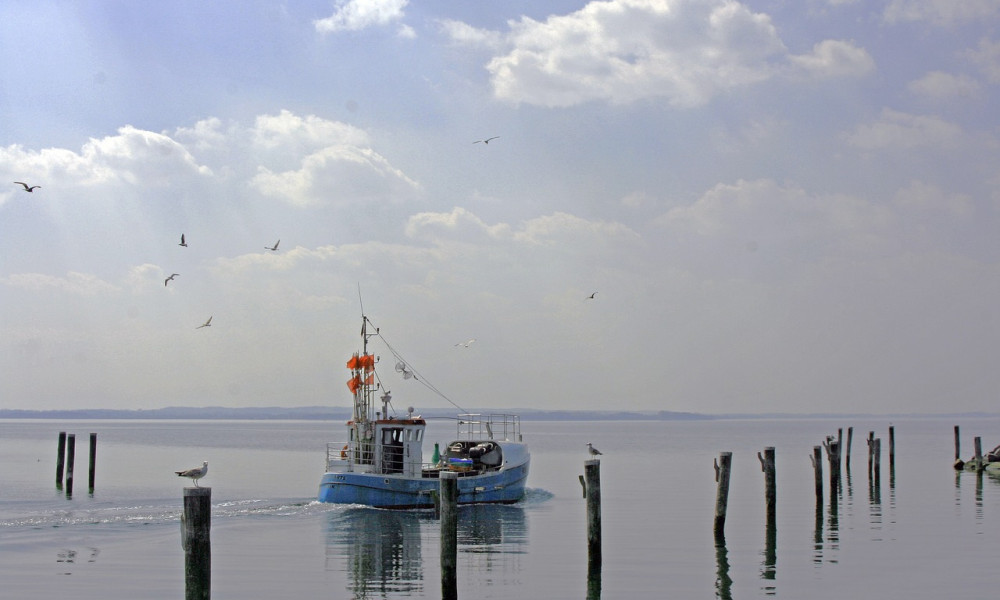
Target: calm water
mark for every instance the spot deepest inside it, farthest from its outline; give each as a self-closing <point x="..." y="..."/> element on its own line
<point x="925" y="532"/>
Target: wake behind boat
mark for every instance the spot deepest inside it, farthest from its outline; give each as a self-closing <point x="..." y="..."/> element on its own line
<point x="381" y="464"/>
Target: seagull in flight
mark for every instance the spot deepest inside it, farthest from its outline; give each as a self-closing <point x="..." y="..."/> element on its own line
<point x="171" y="278"/>
<point x="487" y="140"/>
<point x="466" y="343"/>
<point x="273" y="248"/>
<point x="194" y="474"/>
<point x="26" y="188"/>
<point x="593" y="451"/>
<point x="591" y="297"/>
<point x="183" y="242"/>
<point x="207" y="323"/>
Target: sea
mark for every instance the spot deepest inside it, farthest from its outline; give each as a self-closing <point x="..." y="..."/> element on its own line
<point x="919" y="530"/>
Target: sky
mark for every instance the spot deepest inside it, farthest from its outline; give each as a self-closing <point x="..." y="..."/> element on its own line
<point x="782" y="205"/>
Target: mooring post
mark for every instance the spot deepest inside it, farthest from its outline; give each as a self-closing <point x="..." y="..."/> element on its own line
<point x="93" y="461"/>
<point x="877" y="452"/>
<point x="833" y="458"/>
<point x="840" y="444"/>
<point x="449" y="535"/>
<point x="196" y="539"/>
<point x="871" y="453"/>
<point x="850" y="438"/>
<point x="817" y="461"/>
<point x="722" y="467"/>
<point x="978" y="444"/>
<point x="959" y="464"/>
<point x="592" y="493"/>
<point x="892" y="448"/>
<point x="592" y="475"/>
<point x="70" y="459"/>
<point x="60" y="459"/>
<point x="770" y="495"/>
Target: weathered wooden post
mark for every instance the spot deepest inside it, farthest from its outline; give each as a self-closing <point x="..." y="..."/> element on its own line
<point x="958" y="451"/>
<point x="196" y="539"/>
<point x="833" y="458"/>
<point x="70" y="459"/>
<point x="877" y="451"/>
<point x="978" y="444"/>
<point x="60" y="458"/>
<point x="850" y="438"/>
<point x="449" y="535"/>
<point x="770" y="494"/>
<point x="871" y="453"/>
<point x="93" y="461"/>
<point x="817" y="461"/>
<point x="892" y="447"/>
<point x="840" y="444"/>
<point x="722" y="494"/>
<point x="592" y="475"/>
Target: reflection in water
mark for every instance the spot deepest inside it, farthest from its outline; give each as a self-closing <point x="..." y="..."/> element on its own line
<point x="769" y="569"/>
<point x="381" y="550"/>
<point x="723" y="584"/>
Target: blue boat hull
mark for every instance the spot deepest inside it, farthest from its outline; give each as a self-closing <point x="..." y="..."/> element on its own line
<point x="388" y="491"/>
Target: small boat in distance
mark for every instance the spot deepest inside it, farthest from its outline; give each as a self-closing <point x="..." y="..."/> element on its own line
<point x="381" y="463"/>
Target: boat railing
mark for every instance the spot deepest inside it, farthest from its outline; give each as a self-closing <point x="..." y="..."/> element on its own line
<point x="342" y="456"/>
<point x="495" y="426"/>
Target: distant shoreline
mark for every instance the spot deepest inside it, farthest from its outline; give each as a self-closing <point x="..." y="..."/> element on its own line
<point x="320" y="413"/>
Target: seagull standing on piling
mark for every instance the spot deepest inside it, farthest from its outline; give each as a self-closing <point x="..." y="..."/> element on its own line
<point x="195" y="474"/>
<point x="593" y="451"/>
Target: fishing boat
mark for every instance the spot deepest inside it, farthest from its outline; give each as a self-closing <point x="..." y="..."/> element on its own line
<point x="381" y="464"/>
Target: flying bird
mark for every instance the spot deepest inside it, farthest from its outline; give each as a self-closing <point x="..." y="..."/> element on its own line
<point x="487" y="140"/>
<point x="26" y="188"/>
<point x="593" y="451"/>
<point x="591" y="297"/>
<point x="466" y="343"/>
<point x="183" y="242"/>
<point x="207" y="323"/>
<point x="273" y="248"/>
<point x="172" y="275"/>
<point x="196" y="473"/>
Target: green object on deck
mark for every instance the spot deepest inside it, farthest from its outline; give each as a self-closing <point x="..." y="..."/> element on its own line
<point x="436" y="457"/>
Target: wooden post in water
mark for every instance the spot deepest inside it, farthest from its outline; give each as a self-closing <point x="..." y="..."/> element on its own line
<point x="722" y="494"/>
<point x="958" y="450"/>
<point x="449" y="535"/>
<point x="60" y="459"/>
<point x="592" y="476"/>
<point x="770" y="494"/>
<point x="833" y="458"/>
<point x="978" y="444"/>
<point x="817" y="461"/>
<point x="592" y="493"/>
<point x="850" y="438"/>
<point x="70" y="459"/>
<point x="196" y="539"/>
<point x="877" y="452"/>
<point x="840" y="444"/>
<point x="93" y="461"/>
<point x="871" y="453"/>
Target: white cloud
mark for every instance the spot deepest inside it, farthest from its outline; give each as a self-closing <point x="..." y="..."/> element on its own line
<point x="940" y="12"/>
<point x="465" y="34"/>
<point x="77" y="284"/>
<point x="834" y="58"/>
<point x="938" y="85"/>
<point x="898" y="130"/>
<point x="927" y="198"/>
<point x="987" y="58"/>
<point x="355" y="15"/>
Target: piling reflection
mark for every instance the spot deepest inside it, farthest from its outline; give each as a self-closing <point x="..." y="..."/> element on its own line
<point x="383" y="551"/>
<point x="723" y="583"/>
<point x="769" y="564"/>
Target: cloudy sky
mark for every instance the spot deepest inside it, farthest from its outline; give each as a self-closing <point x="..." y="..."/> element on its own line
<point x="783" y="205"/>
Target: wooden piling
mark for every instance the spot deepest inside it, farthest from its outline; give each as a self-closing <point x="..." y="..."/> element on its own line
<point x="449" y="535"/>
<point x="877" y="453"/>
<point x="817" y="462"/>
<point x="196" y="539"/>
<point x="60" y="459"/>
<point x="833" y="458"/>
<point x="592" y="494"/>
<point x="592" y="476"/>
<point x="959" y="464"/>
<point x="70" y="459"/>
<point x="847" y="459"/>
<point x="770" y="494"/>
<point x="892" y="448"/>
<point x="93" y="461"/>
<point x="978" y="444"/>
<point x="871" y="453"/>
<point x="722" y="494"/>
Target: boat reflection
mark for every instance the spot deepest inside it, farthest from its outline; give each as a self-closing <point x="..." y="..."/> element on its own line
<point x="388" y="553"/>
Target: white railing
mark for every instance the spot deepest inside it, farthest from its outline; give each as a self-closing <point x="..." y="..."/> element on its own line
<point x="497" y="426"/>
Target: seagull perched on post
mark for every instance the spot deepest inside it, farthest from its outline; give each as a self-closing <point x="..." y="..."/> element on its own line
<point x="593" y="451"/>
<point x="487" y="140"/>
<point x="196" y="473"/>
<point x="207" y="323"/>
<point x="171" y="278"/>
<point x="183" y="243"/>
<point x="273" y="248"/>
<point x="26" y="188"/>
